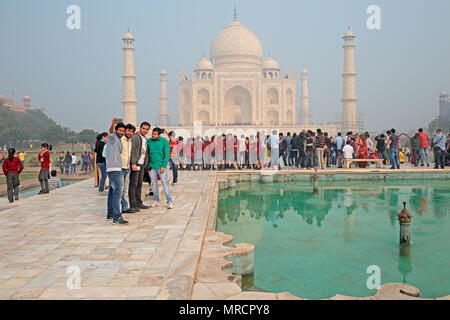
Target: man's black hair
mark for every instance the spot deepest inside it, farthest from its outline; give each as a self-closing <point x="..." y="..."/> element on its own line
<point x="157" y="129"/>
<point x="120" y="125"/>
<point x="104" y="134"/>
<point x="420" y="130"/>
<point x="145" y="123"/>
<point x="319" y="130"/>
<point x="339" y="134"/>
<point x="393" y="130"/>
<point x="53" y="173"/>
<point x="130" y="127"/>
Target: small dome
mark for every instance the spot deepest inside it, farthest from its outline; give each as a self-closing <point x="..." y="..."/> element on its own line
<point x="444" y="94"/>
<point x="26" y="98"/>
<point x="204" y="64"/>
<point x="128" y="35"/>
<point x="349" y="33"/>
<point x="304" y="70"/>
<point x="270" y="63"/>
<point x="163" y="72"/>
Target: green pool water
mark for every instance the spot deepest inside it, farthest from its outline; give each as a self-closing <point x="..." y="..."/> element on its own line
<point x="316" y="245"/>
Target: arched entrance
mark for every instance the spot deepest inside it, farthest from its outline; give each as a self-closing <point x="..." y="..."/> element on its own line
<point x="237" y="106"/>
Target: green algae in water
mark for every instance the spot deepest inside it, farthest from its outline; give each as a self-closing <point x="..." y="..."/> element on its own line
<point x="316" y="245"/>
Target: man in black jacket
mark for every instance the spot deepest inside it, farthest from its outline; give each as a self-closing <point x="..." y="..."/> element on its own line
<point x="301" y="149"/>
<point x="139" y="160"/>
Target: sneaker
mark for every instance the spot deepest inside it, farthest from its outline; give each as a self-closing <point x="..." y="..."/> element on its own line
<point x="170" y="205"/>
<point x="103" y="193"/>
<point x="155" y="204"/>
<point x="120" y="221"/>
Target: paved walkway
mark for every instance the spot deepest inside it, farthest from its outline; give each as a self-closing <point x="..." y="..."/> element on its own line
<point x="45" y="239"/>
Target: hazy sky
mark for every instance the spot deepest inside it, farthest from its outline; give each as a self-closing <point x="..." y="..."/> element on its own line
<point x="76" y="74"/>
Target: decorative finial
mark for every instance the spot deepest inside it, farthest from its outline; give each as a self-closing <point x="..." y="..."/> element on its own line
<point x="235" y="13"/>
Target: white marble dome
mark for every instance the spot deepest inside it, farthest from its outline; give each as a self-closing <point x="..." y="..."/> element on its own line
<point x="236" y="45"/>
<point x="204" y="64"/>
<point x="443" y="93"/>
<point x="271" y="63"/>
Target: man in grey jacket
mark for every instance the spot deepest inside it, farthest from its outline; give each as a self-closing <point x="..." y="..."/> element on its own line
<point x="139" y="161"/>
<point x="114" y="172"/>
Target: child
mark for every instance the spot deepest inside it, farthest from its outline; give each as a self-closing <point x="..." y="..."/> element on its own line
<point x="54" y="182"/>
<point x="12" y="167"/>
<point x="44" y="159"/>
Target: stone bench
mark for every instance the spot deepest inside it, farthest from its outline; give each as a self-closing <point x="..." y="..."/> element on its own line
<point x="378" y="162"/>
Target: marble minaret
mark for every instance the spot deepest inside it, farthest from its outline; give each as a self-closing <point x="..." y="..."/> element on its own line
<point x="305" y="113"/>
<point x="349" y="85"/>
<point x="163" y="115"/>
<point x="129" y="81"/>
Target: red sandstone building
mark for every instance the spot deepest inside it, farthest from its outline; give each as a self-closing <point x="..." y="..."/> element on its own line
<point x="9" y="103"/>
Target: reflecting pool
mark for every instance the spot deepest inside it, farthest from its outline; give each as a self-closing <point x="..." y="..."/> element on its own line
<point x="316" y="245"/>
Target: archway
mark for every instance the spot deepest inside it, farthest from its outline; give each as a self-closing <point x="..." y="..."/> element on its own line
<point x="272" y="96"/>
<point x="272" y="117"/>
<point x="290" y="117"/>
<point x="203" y="97"/>
<point x="238" y="106"/>
<point x="289" y="97"/>
<point x="203" y="116"/>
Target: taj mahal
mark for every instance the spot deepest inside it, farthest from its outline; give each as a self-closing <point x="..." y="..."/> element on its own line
<point x="237" y="87"/>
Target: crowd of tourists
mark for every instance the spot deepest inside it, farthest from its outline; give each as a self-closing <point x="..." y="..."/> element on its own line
<point x="128" y="158"/>
<point x="305" y="150"/>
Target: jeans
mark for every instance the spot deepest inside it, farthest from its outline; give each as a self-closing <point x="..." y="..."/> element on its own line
<point x="114" y="193"/>
<point x="393" y="154"/>
<point x="319" y="153"/>
<point x="67" y="167"/>
<point x="293" y="157"/>
<point x="102" y="167"/>
<point x="422" y="152"/>
<point x="309" y="162"/>
<point x="340" y="155"/>
<point x="439" y="158"/>
<point x="154" y="173"/>
<point x="124" y="199"/>
<point x="135" y="190"/>
<point x="301" y="159"/>
<point x="416" y="156"/>
<point x="284" y="155"/>
<point x="174" y="169"/>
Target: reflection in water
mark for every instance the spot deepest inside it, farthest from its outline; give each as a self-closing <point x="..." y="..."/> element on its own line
<point x="351" y="224"/>
<point x="272" y="203"/>
<point x="404" y="261"/>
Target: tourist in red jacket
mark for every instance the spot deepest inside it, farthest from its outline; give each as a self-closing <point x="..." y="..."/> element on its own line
<point x="44" y="174"/>
<point x="12" y="167"/>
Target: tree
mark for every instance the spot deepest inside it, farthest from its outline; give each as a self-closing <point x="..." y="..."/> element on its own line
<point x="439" y="123"/>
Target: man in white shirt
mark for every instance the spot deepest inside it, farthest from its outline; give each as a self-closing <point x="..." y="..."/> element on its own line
<point x="241" y="163"/>
<point x="274" y="141"/>
<point x="348" y="151"/>
<point x="74" y="163"/>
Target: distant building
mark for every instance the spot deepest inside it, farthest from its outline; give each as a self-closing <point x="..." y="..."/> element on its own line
<point x="444" y="105"/>
<point x="9" y="103"/>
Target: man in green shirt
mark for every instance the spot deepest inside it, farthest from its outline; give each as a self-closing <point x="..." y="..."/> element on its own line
<point x="159" y="152"/>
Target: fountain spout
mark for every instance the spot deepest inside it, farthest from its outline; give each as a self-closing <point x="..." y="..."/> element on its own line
<point x="404" y="218"/>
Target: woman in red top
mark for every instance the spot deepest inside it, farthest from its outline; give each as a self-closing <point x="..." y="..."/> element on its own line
<point x="12" y="167"/>
<point x="363" y="152"/>
<point x="44" y="174"/>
